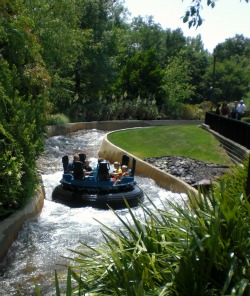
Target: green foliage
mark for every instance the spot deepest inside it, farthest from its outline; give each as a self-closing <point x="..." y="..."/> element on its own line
<point x="141" y="76"/>
<point x="56" y="119"/>
<point x="123" y="108"/>
<point x="11" y="162"/>
<point x="246" y="119"/>
<point x="191" y="112"/>
<point x="177" y="86"/>
<point x="23" y="89"/>
<point x="200" y="247"/>
<point x="230" y="65"/>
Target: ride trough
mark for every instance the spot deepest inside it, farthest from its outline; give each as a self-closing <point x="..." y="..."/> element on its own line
<point x="98" y="189"/>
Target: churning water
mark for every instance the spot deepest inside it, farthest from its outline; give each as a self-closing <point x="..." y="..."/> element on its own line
<point x="44" y="242"/>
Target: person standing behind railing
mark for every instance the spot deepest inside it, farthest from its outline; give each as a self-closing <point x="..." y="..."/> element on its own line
<point x="225" y="111"/>
<point x="241" y="108"/>
<point x="218" y="109"/>
<point x="234" y="110"/>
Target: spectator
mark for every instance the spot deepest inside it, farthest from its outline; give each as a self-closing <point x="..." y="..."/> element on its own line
<point x="234" y="110"/>
<point x="225" y="111"/>
<point x="241" y="108"/>
<point x="218" y="110"/>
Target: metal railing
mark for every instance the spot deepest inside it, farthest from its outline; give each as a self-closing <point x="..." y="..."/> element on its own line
<point x="235" y="130"/>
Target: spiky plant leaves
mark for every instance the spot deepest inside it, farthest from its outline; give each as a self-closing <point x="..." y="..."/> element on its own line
<point x="58" y="293"/>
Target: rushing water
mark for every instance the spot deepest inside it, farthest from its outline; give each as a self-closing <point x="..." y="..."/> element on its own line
<point x="44" y="242"/>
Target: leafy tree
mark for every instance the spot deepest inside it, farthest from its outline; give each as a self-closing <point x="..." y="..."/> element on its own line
<point x="56" y="25"/>
<point x="142" y="76"/>
<point x="236" y="46"/>
<point x="177" y="86"/>
<point x="174" y="41"/>
<point x="230" y="65"/>
<point x="95" y="70"/>
<point x="231" y="80"/>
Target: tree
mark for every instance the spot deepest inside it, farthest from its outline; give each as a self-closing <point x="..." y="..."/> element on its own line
<point x="141" y="76"/>
<point x="177" y="86"/>
<point x="56" y="25"/>
<point x="95" y="69"/>
<point x="231" y="75"/>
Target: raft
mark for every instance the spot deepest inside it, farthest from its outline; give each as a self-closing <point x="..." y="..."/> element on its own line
<point x="98" y="190"/>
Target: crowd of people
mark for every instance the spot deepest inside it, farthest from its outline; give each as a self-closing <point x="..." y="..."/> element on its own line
<point x="236" y="111"/>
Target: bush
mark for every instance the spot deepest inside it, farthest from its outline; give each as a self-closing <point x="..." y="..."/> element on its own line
<point x="245" y="119"/>
<point x="11" y="162"/>
<point x="192" y="112"/>
<point x="57" y="119"/>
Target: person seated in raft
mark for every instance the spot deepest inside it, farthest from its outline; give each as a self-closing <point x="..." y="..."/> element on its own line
<point x="71" y="164"/>
<point x="87" y="168"/>
<point x="95" y="171"/>
<point x="124" y="173"/>
<point x="117" y="172"/>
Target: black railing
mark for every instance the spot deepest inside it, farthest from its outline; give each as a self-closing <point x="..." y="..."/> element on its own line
<point x="235" y="130"/>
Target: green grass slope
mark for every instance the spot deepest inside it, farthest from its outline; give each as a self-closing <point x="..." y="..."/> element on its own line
<point x="182" y="140"/>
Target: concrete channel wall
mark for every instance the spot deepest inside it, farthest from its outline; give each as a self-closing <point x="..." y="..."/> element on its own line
<point x="10" y="227"/>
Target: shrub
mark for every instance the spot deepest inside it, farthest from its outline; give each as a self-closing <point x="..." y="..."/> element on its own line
<point x="57" y="119"/>
<point x="11" y="163"/>
<point x="246" y="119"/>
<point x="191" y="112"/>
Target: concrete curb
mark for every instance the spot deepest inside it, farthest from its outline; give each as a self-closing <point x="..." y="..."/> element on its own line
<point x="63" y="129"/>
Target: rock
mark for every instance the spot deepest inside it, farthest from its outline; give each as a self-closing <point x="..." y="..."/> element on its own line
<point x="193" y="172"/>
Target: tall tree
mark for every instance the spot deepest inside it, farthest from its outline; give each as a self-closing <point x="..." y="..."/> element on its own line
<point x="177" y="87"/>
<point x="56" y="25"/>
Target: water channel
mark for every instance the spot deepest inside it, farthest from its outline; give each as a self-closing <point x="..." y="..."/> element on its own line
<point x="43" y="242"/>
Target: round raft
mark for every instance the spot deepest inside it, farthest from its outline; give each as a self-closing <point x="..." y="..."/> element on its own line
<point x="97" y="190"/>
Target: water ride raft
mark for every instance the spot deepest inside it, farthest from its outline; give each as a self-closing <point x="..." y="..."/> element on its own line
<point x="99" y="189"/>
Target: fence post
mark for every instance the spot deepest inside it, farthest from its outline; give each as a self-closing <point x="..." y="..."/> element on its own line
<point x="248" y="180"/>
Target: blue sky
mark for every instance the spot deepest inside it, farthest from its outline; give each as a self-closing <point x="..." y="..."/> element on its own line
<point x="229" y="17"/>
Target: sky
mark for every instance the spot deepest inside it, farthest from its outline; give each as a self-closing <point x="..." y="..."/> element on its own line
<point x="225" y="20"/>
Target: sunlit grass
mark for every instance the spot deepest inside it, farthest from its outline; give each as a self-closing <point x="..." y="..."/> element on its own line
<point x="182" y="140"/>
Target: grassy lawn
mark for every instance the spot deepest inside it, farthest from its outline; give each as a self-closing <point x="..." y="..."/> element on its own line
<point x="182" y="140"/>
